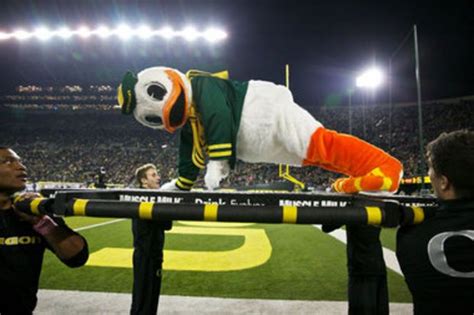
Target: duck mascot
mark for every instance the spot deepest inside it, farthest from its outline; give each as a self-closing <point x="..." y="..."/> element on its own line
<point x="222" y="120"/>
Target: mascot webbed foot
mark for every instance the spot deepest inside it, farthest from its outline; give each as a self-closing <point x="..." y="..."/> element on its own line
<point x="376" y="180"/>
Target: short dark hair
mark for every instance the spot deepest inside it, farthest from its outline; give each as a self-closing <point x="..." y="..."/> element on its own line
<point x="141" y="172"/>
<point x="452" y="155"/>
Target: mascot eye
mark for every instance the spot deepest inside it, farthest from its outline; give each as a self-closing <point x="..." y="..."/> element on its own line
<point x="156" y="91"/>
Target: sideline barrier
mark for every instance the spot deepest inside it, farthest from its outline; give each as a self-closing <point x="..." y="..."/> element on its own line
<point x="258" y="207"/>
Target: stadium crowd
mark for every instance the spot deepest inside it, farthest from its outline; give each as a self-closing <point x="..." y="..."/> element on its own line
<point x="71" y="142"/>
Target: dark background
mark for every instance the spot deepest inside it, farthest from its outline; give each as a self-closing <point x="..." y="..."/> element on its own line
<point x="326" y="43"/>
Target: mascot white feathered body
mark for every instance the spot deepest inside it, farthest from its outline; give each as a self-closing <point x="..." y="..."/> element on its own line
<point x="254" y="121"/>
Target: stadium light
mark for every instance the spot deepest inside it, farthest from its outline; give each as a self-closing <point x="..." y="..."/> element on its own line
<point x="43" y="33"/>
<point x="103" y="32"/>
<point x="22" y="35"/>
<point x="190" y="34"/>
<point x="144" y="32"/>
<point x="371" y="78"/>
<point x="166" y="32"/>
<point x="64" y="32"/>
<point x="123" y="31"/>
<point x="4" y="36"/>
<point x="84" y="32"/>
<point x="214" y="35"/>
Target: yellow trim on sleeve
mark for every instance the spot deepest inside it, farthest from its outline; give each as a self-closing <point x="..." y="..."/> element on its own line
<point x="210" y="212"/>
<point x="290" y="214"/>
<point x="219" y="146"/>
<point x="79" y="207"/>
<point x="374" y="215"/>
<point x="198" y="157"/>
<point x="145" y="210"/>
<point x="418" y="215"/>
<point x="221" y="74"/>
<point x="184" y="180"/>
<point x="183" y="185"/>
<point x="197" y="163"/>
<point x="220" y="154"/>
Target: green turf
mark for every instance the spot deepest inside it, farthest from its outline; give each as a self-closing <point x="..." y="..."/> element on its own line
<point x="78" y="222"/>
<point x="306" y="264"/>
<point x="388" y="238"/>
<point x="201" y="242"/>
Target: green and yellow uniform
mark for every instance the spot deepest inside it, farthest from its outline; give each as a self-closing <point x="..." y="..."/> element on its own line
<point x="212" y="127"/>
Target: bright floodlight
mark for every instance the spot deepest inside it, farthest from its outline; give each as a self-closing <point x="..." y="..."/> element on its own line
<point x="64" y="32"/>
<point x="214" y="35"/>
<point x="123" y="31"/>
<point x="371" y="78"/>
<point x="190" y="33"/>
<point x="103" y="31"/>
<point x="4" y="36"/>
<point x="22" y="35"/>
<point x="144" y="32"/>
<point x="166" y="32"/>
<point x="84" y="32"/>
<point x="42" y="33"/>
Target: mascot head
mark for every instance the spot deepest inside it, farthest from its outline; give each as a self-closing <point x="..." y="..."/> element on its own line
<point x="158" y="97"/>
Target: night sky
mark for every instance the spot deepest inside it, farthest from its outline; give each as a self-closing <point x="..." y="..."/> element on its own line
<point x="326" y="43"/>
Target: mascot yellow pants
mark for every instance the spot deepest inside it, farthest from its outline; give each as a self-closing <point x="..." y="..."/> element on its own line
<point x="368" y="167"/>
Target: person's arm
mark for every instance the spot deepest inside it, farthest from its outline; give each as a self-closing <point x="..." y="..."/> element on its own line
<point x="70" y="247"/>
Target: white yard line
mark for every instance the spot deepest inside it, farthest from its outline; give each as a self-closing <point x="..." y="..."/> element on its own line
<point x="388" y="255"/>
<point x="76" y="302"/>
<point x="87" y="227"/>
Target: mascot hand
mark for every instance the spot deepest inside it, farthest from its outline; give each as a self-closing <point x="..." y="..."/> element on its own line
<point x="217" y="170"/>
<point x="170" y="186"/>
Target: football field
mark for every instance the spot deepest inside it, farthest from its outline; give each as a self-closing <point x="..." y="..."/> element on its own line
<point x="220" y="260"/>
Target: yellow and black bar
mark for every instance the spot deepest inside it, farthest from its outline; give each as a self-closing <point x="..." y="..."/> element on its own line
<point x="35" y="206"/>
<point x="390" y="215"/>
<point x="415" y="215"/>
<point x="215" y="212"/>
